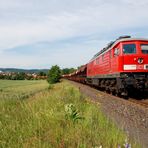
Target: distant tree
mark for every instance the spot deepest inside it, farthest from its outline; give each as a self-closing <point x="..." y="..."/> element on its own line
<point x="79" y="67"/>
<point x="28" y="77"/>
<point x="54" y="74"/>
<point x="41" y="73"/>
<point x="16" y="76"/>
<point x="8" y="77"/>
<point x="20" y="76"/>
<point x="2" y="77"/>
<point x="67" y="70"/>
<point x="72" y="70"/>
<point x="13" y="77"/>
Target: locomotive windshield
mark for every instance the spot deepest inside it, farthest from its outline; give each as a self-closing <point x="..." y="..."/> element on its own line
<point x="144" y="48"/>
<point x="129" y="48"/>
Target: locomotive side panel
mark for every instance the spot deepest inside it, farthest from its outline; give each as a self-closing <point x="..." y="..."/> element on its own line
<point x="90" y="69"/>
<point x="109" y="62"/>
<point x="115" y="58"/>
<point x="101" y="65"/>
<point x="105" y="64"/>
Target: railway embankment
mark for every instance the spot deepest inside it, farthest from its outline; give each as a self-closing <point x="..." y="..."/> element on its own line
<point x="129" y="115"/>
<point x="59" y="117"/>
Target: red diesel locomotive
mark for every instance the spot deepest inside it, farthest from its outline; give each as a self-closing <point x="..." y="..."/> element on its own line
<point x="120" y="67"/>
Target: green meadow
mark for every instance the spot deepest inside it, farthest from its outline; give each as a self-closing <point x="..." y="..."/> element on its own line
<point x="34" y="114"/>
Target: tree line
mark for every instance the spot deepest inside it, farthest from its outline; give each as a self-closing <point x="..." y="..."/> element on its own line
<point x="22" y="76"/>
<point x="53" y="75"/>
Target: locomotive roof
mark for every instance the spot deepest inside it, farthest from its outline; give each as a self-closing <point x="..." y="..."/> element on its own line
<point x="113" y="43"/>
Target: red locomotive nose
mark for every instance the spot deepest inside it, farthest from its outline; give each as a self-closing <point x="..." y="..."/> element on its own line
<point x="140" y="60"/>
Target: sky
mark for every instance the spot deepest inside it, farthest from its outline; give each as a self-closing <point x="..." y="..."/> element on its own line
<point x="42" y="33"/>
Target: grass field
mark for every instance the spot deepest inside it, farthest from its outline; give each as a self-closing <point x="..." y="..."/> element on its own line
<point x="20" y="89"/>
<point x="55" y="117"/>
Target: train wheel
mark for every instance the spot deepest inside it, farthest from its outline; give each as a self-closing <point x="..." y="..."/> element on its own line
<point x="124" y="94"/>
<point x="117" y="93"/>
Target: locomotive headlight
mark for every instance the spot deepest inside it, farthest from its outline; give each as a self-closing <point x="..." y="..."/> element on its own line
<point x="140" y="60"/>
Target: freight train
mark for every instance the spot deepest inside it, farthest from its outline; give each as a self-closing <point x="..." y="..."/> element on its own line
<point x="119" y="68"/>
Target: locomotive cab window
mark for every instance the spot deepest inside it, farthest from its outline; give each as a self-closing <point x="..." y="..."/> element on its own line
<point x="144" y="48"/>
<point x="129" y="48"/>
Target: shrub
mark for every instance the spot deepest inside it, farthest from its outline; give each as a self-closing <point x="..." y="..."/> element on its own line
<point x="54" y="74"/>
<point x="72" y="113"/>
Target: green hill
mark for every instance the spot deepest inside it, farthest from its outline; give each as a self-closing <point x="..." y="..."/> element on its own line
<point x="23" y="70"/>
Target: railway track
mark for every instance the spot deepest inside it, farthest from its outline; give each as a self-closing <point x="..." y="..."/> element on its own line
<point x="133" y="100"/>
<point x="141" y="102"/>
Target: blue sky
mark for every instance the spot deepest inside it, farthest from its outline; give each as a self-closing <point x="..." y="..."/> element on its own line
<point x="39" y="34"/>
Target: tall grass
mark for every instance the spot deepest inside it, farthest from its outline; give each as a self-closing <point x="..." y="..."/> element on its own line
<point x="58" y="117"/>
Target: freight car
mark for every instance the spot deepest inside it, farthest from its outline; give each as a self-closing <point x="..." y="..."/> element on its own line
<point x="79" y="75"/>
<point x="119" y="68"/>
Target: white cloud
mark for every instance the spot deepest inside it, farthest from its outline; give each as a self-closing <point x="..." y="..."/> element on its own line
<point x="31" y="21"/>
